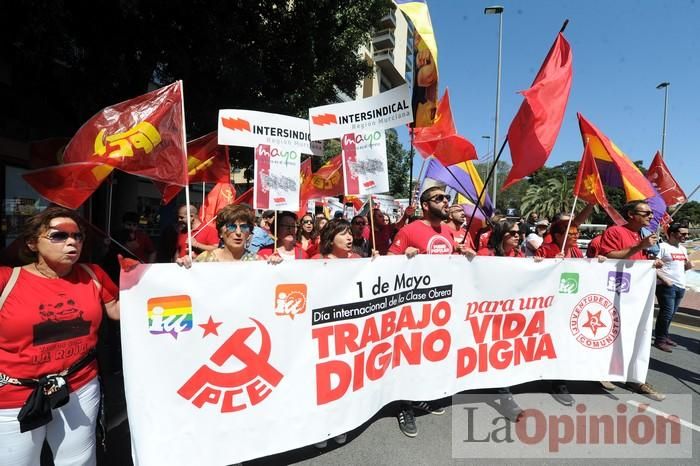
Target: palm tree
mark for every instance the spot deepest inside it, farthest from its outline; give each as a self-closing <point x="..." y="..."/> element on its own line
<point x="555" y="196"/>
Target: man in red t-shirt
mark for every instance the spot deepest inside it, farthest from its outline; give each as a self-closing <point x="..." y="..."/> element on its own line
<point x="204" y="238"/>
<point x="625" y="242"/>
<point x="428" y="235"/>
<point x="455" y="222"/>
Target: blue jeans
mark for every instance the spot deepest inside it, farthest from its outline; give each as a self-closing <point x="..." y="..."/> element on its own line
<point x="669" y="298"/>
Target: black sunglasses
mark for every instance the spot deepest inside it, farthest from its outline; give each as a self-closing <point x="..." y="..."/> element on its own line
<point x="440" y="198"/>
<point x="62" y="236"/>
<point x="644" y="213"/>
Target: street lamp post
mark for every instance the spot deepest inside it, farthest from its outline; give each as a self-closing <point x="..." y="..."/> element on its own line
<point x="488" y="144"/>
<point x="496" y="10"/>
<point x="664" y="85"/>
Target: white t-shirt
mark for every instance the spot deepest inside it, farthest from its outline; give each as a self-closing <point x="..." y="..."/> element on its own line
<point x="674" y="258"/>
<point x="536" y="241"/>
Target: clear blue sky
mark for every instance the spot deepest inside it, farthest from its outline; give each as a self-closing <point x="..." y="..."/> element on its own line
<point x="622" y="49"/>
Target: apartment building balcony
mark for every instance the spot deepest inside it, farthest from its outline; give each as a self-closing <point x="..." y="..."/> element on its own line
<point x="384" y="39"/>
<point x="385" y="61"/>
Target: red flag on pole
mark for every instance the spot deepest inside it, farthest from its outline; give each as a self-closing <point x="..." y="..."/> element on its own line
<point x="535" y="128"/>
<point x="222" y="195"/>
<point x="68" y="185"/>
<point x="327" y="181"/>
<point x="441" y="139"/>
<point x="141" y="136"/>
<point x="207" y="161"/>
<point x="589" y="186"/>
<point x="660" y="176"/>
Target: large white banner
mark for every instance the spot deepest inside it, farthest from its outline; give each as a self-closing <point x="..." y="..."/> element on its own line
<point x="248" y="128"/>
<point x="365" y="165"/>
<point x="383" y="111"/>
<point x="227" y="362"/>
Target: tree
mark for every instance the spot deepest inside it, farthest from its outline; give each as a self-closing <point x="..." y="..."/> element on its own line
<point x="549" y="199"/>
<point x="689" y="213"/>
<point x="70" y="59"/>
<point x="399" y="165"/>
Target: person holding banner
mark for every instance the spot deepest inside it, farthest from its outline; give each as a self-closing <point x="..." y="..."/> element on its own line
<point x="204" y="238"/>
<point x="428" y="235"/>
<point x="455" y="222"/>
<point x="234" y="224"/>
<point x="50" y="314"/>
<point x="504" y="240"/>
<point x="308" y="235"/>
<point x="625" y="242"/>
<point x="286" y="246"/>
<point x="336" y="241"/>
<point x="556" y="247"/>
<point x="670" y="286"/>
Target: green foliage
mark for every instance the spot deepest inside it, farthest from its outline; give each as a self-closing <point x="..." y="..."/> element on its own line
<point x="399" y="163"/>
<point x="554" y="196"/>
<point x="689" y="213"/>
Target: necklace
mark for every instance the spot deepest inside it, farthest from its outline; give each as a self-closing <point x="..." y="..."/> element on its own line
<point x="36" y="266"/>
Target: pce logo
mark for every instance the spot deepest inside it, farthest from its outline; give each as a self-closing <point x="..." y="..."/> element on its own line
<point x="568" y="283"/>
<point x="241" y="389"/>
<point x="619" y="282"/>
<point x="169" y="314"/>
<point x="290" y="299"/>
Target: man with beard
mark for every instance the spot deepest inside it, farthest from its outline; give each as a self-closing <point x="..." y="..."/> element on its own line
<point x="428" y="235"/>
<point x="626" y="242"/>
<point x="204" y="238"/>
<point x="455" y="222"/>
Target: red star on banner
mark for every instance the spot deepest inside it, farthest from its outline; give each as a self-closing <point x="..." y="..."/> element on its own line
<point x="594" y="322"/>
<point x="211" y="327"/>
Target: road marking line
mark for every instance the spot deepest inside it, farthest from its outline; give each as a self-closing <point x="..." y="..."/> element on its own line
<point x="687" y="424"/>
<point x="687" y="327"/>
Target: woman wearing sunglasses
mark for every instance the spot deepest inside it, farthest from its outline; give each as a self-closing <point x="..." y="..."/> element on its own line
<point x="234" y="223"/>
<point x="50" y="313"/>
<point x="286" y="246"/>
<point x="308" y="235"/>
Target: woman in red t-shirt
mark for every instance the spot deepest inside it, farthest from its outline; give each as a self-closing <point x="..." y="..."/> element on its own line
<point x="504" y="240"/>
<point x="308" y="235"/>
<point x="286" y="246"/>
<point x="336" y="241"/>
<point x="50" y="313"/>
<point x="554" y="249"/>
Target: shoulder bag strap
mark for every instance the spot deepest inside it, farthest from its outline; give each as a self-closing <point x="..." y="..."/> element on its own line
<point x="91" y="272"/>
<point x="9" y="285"/>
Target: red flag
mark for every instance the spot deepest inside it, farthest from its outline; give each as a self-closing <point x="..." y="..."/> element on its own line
<point x="68" y="185"/>
<point x="207" y="161"/>
<point x="441" y="139"/>
<point x="535" y="128"/>
<point x="667" y="187"/>
<point x="142" y="136"/>
<point x="589" y="186"/>
<point x="304" y="177"/>
<point x="327" y="181"/>
<point x="222" y="195"/>
<point x="245" y="198"/>
<point x="46" y="152"/>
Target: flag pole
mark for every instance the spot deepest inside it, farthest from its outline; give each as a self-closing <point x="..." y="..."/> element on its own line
<point x="410" y="169"/>
<point x="109" y="206"/>
<point x="204" y="191"/>
<point x="566" y="233"/>
<point x="688" y="198"/>
<point x="486" y="183"/>
<point x="187" y="184"/>
<point x="414" y="192"/>
<point x="274" y="249"/>
<point x="371" y="220"/>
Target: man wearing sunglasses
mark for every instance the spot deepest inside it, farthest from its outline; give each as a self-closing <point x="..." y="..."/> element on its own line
<point x="670" y="286"/>
<point x="360" y="244"/>
<point x="428" y="235"/>
<point x="626" y="242"/>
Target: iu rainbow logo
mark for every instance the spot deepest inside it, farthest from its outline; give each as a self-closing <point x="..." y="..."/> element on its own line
<point x="169" y="314"/>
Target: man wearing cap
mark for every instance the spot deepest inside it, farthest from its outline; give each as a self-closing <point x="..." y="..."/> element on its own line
<point x="534" y="240"/>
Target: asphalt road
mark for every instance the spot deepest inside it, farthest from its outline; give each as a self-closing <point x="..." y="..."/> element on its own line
<point x="380" y="442"/>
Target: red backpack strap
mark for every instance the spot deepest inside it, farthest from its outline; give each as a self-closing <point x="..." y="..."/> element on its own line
<point x="9" y="285"/>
